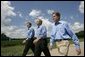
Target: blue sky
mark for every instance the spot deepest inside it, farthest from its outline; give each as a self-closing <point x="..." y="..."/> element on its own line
<point x="71" y="11"/>
<point x="66" y="8"/>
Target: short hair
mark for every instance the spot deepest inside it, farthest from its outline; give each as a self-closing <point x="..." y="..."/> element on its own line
<point x="39" y="20"/>
<point x="56" y="13"/>
<point x="29" y="23"/>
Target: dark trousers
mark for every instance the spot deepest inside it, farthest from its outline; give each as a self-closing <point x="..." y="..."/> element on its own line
<point x="41" y="46"/>
<point x="28" y="44"/>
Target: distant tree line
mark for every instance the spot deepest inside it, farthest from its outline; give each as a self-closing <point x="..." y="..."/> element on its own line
<point x="4" y="37"/>
<point x="80" y="34"/>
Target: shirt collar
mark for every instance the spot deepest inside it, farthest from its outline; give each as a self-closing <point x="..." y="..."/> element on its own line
<point x="56" y="23"/>
<point x="38" y="26"/>
<point x="29" y="28"/>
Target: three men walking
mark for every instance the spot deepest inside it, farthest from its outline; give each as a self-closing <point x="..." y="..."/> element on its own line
<point x="61" y="34"/>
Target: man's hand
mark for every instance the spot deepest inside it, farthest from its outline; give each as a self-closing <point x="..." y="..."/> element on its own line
<point x="78" y="51"/>
<point x="36" y="40"/>
<point x="51" y="47"/>
<point x="24" y="42"/>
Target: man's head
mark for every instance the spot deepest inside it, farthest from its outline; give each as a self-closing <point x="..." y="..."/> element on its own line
<point x="38" y="21"/>
<point x="28" y="24"/>
<point x="56" y="16"/>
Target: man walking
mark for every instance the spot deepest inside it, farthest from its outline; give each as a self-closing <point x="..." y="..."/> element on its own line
<point x="29" y="41"/>
<point x="41" y="41"/>
<point x="61" y="33"/>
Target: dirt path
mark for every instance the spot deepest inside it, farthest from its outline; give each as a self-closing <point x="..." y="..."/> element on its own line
<point x="72" y="51"/>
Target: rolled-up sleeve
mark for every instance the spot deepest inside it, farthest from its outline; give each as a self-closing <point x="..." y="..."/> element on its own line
<point x="72" y="35"/>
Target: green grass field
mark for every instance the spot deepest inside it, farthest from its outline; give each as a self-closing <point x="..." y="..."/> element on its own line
<point x="13" y="50"/>
<point x="11" y="43"/>
<point x="15" y="47"/>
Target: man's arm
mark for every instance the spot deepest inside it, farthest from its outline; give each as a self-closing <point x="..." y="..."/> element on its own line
<point x="41" y="35"/>
<point x="29" y="35"/>
<point x="43" y="32"/>
<point x="36" y="40"/>
<point x="74" y="38"/>
<point x="51" y="43"/>
<point x="52" y="39"/>
<point x="24" y="41"/>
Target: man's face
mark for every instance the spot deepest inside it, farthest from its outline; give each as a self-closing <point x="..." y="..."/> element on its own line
<point x="28" y="25"/>
<point x="37" y="22"/>
<point x="55" y="18"/>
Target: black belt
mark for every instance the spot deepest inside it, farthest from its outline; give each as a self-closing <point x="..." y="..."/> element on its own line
<point x="62" y="39"/>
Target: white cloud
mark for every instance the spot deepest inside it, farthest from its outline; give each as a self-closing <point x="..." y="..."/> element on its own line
<point x="5" y="22"/>
<point x="77" y="27"/>
<point x="12" y="31"/>
<point x="6" y="11"/>
<point x="81" y="7"/>
<point x="17" y="33"/>
<point x="35" y="13"/>
<point x="50" y="11"/>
